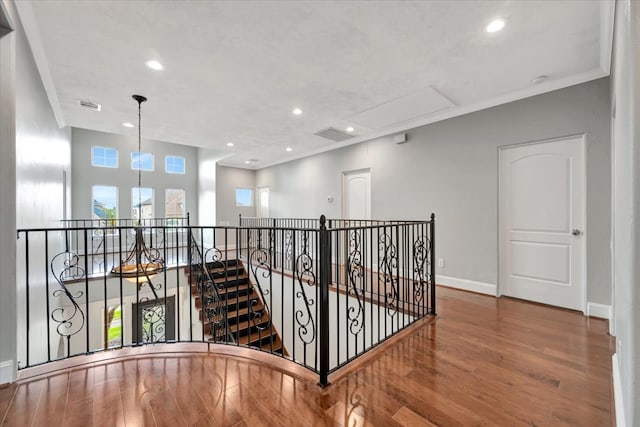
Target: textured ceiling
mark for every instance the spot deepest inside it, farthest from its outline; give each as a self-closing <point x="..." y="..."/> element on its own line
<point x="235" y="70"/>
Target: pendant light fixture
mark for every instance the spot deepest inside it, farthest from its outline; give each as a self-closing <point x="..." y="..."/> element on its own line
<point x="142" y="263"/>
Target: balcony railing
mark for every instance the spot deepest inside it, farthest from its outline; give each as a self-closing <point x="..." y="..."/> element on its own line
<point x="317" y="292"/>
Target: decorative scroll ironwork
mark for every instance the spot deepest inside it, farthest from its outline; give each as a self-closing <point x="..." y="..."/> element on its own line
<point x="65" y="268"/>
<point x="288" y="249"/>
<point x="212" y="255"/>
<point x="388" y="255"/>
<point x="421" y="250"/>
<point x="260" y="266"/>
<point x="305" y="274"/>
<point x="153" y="322"/>
<point x="213" y="309"/>
<point x="355" y="273"/>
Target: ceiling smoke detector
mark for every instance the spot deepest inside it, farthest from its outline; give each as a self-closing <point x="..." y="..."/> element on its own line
<point x="334" y="134"/>
<point x="90" y="105"/>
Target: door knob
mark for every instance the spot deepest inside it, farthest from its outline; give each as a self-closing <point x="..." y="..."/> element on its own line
<point x="576" y="232"/>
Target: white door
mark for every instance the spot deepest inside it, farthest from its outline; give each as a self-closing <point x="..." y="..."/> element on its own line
<point x="542" y="218"/>
<point x="263" y="202"/>
<point x="356" y="195"/>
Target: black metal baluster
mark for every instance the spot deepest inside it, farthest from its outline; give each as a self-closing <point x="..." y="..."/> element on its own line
<point x="282" y="328"/>
<point x="325" y="260"/>
<point x="293" y="292"/>
<point x="26" y="264"/>
<point x="373" y="245"/>
<point x="46" y="275"/>
<point x="86" y="287"/>
<point x="338" y="233"/>
<point x="104" y="286"/>
<point x="179" y="329"/>
<point x="433" y="263"/>
<point x="122" y="343"/>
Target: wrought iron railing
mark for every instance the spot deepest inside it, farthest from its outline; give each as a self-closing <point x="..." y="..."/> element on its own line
<point x="320" y="296"/>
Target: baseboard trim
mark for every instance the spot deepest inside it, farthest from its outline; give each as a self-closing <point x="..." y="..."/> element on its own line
<point x="617" y="392"/>
<point x="6" y="372"/>
<point x="602" y="311"/>
<point x="467" y="285"/>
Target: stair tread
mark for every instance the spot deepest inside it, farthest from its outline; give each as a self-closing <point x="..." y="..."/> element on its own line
<point x="257" y="335"/>
<point x="248" y="324"/>
<point x="224" y="290"/>
<point x="231" y="314"/>
<point x="233" y="285"/>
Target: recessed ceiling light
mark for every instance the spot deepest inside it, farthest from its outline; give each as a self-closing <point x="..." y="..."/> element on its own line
<point x="128" y="125"/>
<point x="229" y="144"/>
<point x="296" y="112"/>
<point x="248" y="162"/>
<point x="289" y="149"/>
<point x="495" y="25"/>
<point x="350" y="129"/>
<point x="154" y="65"/>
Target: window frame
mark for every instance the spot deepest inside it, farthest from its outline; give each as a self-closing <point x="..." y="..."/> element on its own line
<point x="93" y="157"/>
<point x="117" y="200"/>
<point x="140" y="153"/>
<point x="252" y="197"/>
<point x="184" y="202"/>
<point x="172" y="156"/>
<point x="153" y="202"/>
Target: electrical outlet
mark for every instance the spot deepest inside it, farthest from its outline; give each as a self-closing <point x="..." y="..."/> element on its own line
<point x="441" y="262"/>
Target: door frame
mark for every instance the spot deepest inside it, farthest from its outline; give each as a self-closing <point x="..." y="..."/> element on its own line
<point x="585" y="234"/>
<point x="343" y="176"/>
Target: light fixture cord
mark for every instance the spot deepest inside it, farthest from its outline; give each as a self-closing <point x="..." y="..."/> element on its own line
<point x="139" y="163"/>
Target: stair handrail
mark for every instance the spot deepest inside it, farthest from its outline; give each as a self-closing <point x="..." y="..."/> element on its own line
<point x="194" y="249"/>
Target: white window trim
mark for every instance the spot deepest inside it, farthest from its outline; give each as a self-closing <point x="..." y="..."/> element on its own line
<point x="184" y="162"/>
<point x="153" y="201"/>
<point x="252" y="203"/>
<point x="184" y="201"/>
<point x="153" y="161"/>
<point x="117" y="198"/>
<point x="105" y="148"/>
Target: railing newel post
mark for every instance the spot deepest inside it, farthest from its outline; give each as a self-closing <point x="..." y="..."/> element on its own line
<point x="325" y="257"/>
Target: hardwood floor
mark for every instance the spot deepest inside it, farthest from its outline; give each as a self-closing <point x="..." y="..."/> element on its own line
<point x="483" y="361"/>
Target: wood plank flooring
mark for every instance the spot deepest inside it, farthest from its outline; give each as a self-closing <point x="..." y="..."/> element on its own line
<point x="483" y="361"/>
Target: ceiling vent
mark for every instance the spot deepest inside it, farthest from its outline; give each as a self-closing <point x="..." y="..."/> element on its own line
<point x="90" y="105"/>
<point x="333" y="134"/>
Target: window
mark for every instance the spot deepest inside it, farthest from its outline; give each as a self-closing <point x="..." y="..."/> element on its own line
<point x="174" y="206"/>
<point x="114" y="327"/>
<point x="141" y="203"/>
<point x="104" y="202"/>
<point x="142" y="161"/>
<point x="244" y="197"/>
<point x="104" y="157"/>
<point x="174" y="164"/>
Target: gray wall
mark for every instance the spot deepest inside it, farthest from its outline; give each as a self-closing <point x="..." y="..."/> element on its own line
<point x="451" y="168"/>
<point x="227" y="180"/>
<point x="85" y="175"/>
<point x="7" y="199"/>
<point x="626" y="207"/>
<point x="42" y="153"/>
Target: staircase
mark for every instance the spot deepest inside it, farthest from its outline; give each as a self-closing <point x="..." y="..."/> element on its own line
<point x="248" y="319"/>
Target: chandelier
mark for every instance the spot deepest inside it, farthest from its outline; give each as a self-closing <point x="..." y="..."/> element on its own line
<point x="142" y="263"/>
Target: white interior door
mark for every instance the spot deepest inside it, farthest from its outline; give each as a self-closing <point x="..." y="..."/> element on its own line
<point x="356" y="195"/>
<point x="263" y="202"/>
<point x="542" y="218"/>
